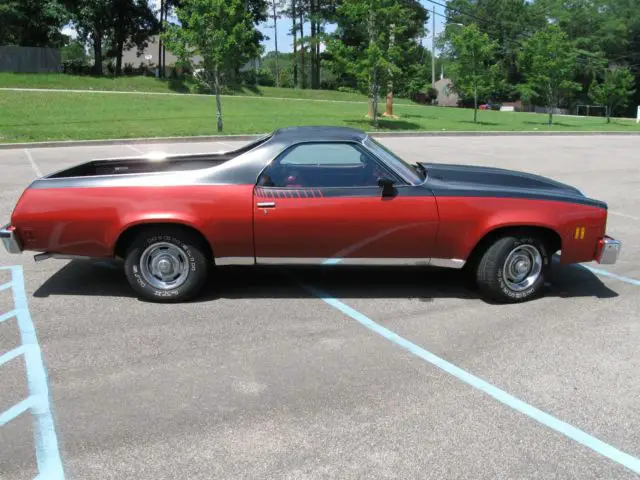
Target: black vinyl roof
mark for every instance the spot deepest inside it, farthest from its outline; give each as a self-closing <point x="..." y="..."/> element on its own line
<point x="312" y="132"/>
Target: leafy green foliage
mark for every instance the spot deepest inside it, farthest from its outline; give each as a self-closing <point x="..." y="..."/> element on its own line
<point x="32" y="23"/>
<point x="134" y="23"/>
<point x="221" y="32"/>
<point x="472" y="72"/>
<point x="548" y="61"/>
<point x="614" y="91"/>
<point x="387" y="30"/>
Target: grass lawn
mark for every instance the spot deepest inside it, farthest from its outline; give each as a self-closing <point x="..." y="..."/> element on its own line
<point x="154" y="85"/>
<point x="39" y="116"/>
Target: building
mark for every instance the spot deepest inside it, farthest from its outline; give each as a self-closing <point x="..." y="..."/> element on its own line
<point x="446" y="96"/>
<point x="135" y="59"/>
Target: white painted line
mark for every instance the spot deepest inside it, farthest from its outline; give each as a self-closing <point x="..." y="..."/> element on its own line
<point x="627" y="460"/>
<point x="33" y="164"/>
<point x="618" y="214"/>
<point x="137" y="150"/>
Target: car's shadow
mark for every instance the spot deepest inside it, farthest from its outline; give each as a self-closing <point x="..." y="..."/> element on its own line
<point x="86" y="278"/>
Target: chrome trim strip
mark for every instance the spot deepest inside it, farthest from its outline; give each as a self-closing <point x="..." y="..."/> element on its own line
<point x="59" y="256"/>
<point x="266" y="204"/>
<point x="438" y="262"/>
<point x="10" y="239"/>
<point x="225" y="261"/>
<point x="456" y="263"/>
<point x="610" y="251"/>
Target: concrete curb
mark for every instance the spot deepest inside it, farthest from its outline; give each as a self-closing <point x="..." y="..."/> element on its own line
<point x="222" y="138"/>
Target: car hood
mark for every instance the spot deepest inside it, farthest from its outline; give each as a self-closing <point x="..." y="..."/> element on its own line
<point x="473" y="179"/>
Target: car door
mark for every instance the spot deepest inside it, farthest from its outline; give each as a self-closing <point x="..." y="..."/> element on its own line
<point x="320" y="202"/>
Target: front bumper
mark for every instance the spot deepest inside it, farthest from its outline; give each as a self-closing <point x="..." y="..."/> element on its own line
<point x="608" y="251"/>
<point x="10" y="239"/>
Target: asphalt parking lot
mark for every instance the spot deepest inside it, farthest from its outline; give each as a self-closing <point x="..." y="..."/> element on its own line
<point x="294" y="374"/>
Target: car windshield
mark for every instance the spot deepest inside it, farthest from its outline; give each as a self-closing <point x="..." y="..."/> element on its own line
<point x="412" y="171"/>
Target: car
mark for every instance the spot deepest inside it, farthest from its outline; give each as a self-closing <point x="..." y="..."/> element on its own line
<point x="312" y="195"/>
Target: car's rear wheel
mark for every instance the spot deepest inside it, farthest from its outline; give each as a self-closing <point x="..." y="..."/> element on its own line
<point x="167" y="264"/>
<point x="513" y="268"/>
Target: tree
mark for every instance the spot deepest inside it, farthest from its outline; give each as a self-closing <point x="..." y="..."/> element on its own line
<point x="471" y="70"/>
<point x="93" y="21"/>
<point x="504" y="21"/>
<point x="32" y="23"/>
<point x="134" y="24"/>
<point x="548" y="61"/>
<point x="371" y="42"/>
<point x="221" y="32"/>
<point x="614" y="91"/>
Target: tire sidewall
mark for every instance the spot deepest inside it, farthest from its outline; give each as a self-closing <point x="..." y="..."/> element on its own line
<point x="535" y="288"/>
<point x="197" y="266"/>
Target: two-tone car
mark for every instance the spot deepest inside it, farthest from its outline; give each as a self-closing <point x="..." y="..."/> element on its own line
<point x="327" y="196"/>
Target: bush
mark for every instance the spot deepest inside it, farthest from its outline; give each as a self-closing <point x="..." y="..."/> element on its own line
<point x="346" y="89"/>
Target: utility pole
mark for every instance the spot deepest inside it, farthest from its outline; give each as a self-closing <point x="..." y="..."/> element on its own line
<point x="433" y="49"/>
<point x="160" y="71"/>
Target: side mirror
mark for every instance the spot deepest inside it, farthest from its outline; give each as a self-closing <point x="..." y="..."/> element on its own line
<point x="387" y="186"/>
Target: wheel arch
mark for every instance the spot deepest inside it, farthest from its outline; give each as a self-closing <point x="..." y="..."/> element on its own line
<point x="129" y="232"/>
<point x="551" y="236"/>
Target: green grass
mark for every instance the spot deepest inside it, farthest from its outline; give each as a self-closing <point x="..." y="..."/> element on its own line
<point x="39" y="116"/>
<point x="154" y="85"/>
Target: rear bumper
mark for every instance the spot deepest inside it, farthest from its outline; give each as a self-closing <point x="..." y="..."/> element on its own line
<point x="10" y="239"/>
<point x="608" y="251"/>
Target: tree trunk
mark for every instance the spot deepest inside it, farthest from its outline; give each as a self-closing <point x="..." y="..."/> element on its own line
<point x="302" y="70"/>
<point x="373" y="99"/>
<point x="318" y="55"/>
<point x="216" y="80"/>
<point x="162" y="2"/>
<point x="475" y="104"/>
<point x="97" y="52"/>
<point x="388" y="112"/>
<point x="609" y="108"/>
<point x="312" y="45"/>
<point x="295" y="41"/>
<point x="275" y="31"/>
<point x="119" y="50"/>
<point x="550" y="103"/>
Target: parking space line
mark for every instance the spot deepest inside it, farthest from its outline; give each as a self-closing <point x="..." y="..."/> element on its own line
<point x="4" y="286"/>
<point x="624" y="215"/>
<point x="15" y="411"/>
<point x="605" y="273"/>
<point x="8" y="315"/>
<point x="598" y="446"/>
<point x="137" y="150"/>
<point x="45" y="439"/>
<point x="11" y="354"/>
<point x="35" y="167"/>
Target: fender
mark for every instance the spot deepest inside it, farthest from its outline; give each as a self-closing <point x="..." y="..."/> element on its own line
<point x="467" y="220"/>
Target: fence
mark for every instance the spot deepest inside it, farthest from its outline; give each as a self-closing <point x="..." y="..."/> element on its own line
<point x="29" y="59"/>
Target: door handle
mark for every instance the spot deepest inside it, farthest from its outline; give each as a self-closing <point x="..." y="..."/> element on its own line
<point x="266" y="204"/>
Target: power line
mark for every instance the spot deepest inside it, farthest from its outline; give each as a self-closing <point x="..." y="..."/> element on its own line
<point x="580" y="56"/>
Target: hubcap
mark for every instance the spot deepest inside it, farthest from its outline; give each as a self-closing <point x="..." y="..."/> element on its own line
<point x="164" y="265"/>
<point x="522" y="267"/>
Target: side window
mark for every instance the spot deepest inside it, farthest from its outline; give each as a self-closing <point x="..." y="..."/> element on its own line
<point x="320" y="165"/>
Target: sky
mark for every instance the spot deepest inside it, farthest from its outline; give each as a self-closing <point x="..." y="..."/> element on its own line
<point x="285" y="40"/>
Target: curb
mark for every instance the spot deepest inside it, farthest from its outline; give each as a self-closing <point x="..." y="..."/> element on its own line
<point x="222" y="138"/>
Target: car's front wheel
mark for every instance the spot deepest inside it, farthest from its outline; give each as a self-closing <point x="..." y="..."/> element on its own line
<point x="514" y="268"/>
<point x="166" y="264"/>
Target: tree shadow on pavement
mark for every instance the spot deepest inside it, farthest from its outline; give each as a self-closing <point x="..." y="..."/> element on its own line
<point x="89" y="278"/>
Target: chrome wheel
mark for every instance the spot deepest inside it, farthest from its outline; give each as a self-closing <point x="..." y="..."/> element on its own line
<point x="164" y="265"/>
<point x="522" y="267"/>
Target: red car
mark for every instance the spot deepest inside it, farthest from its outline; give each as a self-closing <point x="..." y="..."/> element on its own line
<point x="308" y="195"/>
